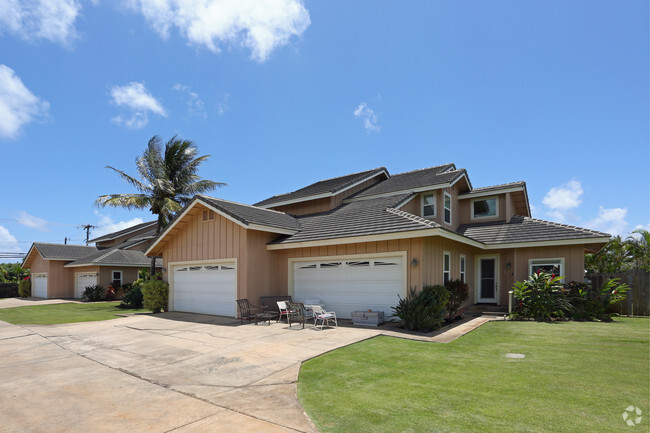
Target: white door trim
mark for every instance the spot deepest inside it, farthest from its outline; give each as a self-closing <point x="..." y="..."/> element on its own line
<point x="477" y="264"/>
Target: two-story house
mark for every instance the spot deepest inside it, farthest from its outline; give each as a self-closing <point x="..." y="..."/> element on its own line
<point x="64" y="271"/>
<point x="356" y="242"/>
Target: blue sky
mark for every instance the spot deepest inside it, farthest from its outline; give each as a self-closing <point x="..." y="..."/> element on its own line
<point x="284" y="93"/>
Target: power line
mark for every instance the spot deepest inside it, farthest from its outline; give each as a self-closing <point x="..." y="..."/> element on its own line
<point x="87" y="227"/>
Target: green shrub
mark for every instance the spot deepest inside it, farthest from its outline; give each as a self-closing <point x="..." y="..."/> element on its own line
<point x="94" y="293"/>
<point x="422" y="311"/>
<point x="132" y="297"/>
<point x="25" y="287"/>
<point x="540" y="297"/>
<point x="458" y="293"/>
<point x="155" y="293"/>
<point x="592" y="304"/>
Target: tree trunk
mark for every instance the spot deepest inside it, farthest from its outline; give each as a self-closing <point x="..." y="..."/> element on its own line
<point x="152" y="268"/>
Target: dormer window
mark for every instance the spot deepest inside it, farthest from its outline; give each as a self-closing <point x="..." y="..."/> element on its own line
<point x="447" y="208"/>
<point x="485" y="208"/>
<point x="429" y="205"/>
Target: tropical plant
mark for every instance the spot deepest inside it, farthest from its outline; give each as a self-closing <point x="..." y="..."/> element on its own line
<point x="168" y="181"/>
<point x="422" y="311"/>
<point x="94" y="293"/>
<point x="155" y="292"/>
<point x="540" y="297"/>
<point x="458" y="293"/>
<point x="590" y="303"/>
<point x="25" y="287"/>
<point x="133" y="297"/>
<point x="639" y="247"/>
<point x="12" y="272"/>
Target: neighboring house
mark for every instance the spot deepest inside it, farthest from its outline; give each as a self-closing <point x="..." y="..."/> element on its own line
<point x="63" y="271"/>
<point x="359" y="241"/>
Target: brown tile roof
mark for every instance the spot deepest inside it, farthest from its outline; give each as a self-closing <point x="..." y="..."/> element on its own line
<point x="495" y="187"/>
<point x="408" y="181"/>
<point x="252" y="215"/>
<point x="63" y="251"/>
<point x="113" y="257"/>
<point x="524" y="229"/>
<point x="322" y="187"/>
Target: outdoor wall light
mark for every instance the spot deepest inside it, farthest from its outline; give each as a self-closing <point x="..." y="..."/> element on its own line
<point x="508" y="266"/>
<point x="414" y="262"/>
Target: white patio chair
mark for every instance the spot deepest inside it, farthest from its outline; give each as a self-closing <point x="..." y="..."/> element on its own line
<point x="283" y="309"/>
<point x="325" y="317"/>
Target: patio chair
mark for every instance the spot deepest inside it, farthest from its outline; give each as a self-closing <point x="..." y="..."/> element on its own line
<point x="247" y="310"/>
<point x="296" y="313"/>
<point x="325" y="317"/>
<point x="283" y="310"/>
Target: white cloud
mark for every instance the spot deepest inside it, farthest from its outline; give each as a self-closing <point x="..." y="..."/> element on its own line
<point x="260" y="26"/>
<point x="8" y="243"/>
<point x="563" y="199"/>
<point x="135" y="97"/>
<point x="195" y="106"/>
<point x="107" y="225"/>
<point x="368" y="116"/>
<point x="610" y="221"/>
<point x="18" y="105"/>
<point x="32" y="222"/>
<point x="52" y="20"/>
<point x="644" y="227"/>
<point x="223" y="106"/>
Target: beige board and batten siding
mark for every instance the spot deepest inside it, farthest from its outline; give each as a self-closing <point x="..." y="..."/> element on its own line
<point x="60" y="282"/>
<point x="194" y="240"/>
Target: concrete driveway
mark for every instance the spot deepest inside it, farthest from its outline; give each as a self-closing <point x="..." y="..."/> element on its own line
<point x="158" y="373"/>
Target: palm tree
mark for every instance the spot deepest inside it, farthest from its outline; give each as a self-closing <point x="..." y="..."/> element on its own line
<point x="168" y="181"/>
<point x="640" y="248"/>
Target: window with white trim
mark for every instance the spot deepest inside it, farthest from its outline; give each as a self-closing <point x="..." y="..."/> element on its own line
<point x="117" y="279"/>
<point x="462" y="267"/>
<point x="550" y="266"/>
<point x="429" y="205"/>
<point x="485" y="208"/>
<point x="448" y="208"/>
<point x="446" y="267"/>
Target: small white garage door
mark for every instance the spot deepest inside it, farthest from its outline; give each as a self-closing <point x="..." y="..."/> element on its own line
<point x="350" y="285"/>
<point x="39" y="282"/>
<point x="207" y="289"/>
<point x="84" y="280"/>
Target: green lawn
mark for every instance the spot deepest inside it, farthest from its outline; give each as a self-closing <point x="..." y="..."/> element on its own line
<point x="63" y="313"/>
<point x="576" y="377"/>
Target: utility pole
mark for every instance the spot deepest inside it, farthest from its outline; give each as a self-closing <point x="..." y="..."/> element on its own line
<point x="87" y="227"/>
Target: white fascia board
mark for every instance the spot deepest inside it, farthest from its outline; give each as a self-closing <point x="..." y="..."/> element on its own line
<point x="533" y="244"/>
<point x="322" y="195"/>
<point x="374" y="238"/>
<point x="491" y="192"/>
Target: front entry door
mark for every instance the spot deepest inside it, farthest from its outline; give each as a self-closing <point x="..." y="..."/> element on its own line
<point x="487" y="279"/>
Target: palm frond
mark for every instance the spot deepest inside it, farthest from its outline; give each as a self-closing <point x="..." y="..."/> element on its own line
<point x="128" y="201"/>
<point x="130" y="180"/>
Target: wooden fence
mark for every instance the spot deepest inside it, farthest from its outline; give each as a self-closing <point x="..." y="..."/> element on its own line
<point x="638" y="297"/>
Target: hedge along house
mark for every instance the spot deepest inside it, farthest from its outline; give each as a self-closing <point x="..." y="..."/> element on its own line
<point x="356" y="242"/>
<point x="63" y="271"/>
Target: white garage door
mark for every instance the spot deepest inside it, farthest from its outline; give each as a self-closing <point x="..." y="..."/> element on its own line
<point x="207" y="289"/>
<point x="84" y="280"/>
<point x="351" y="285"/>
<point x="39" y="282"/>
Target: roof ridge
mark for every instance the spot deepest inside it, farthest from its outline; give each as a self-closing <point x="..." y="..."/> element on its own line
<point x="63" y="245"/>
<point x="103" y="256"/>
<point x="413" y="218"/>
<point x="243" y="204"/>
<point x="426" y="168"/>
<point x="553" y="223"/>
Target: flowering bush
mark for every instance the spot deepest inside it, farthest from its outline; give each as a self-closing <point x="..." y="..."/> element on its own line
<point x="25" y="287"/>
<point x="590" y="303"/>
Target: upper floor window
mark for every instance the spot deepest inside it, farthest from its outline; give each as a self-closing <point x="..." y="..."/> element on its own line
<point x="485" y="208"/>
<point x="429" y="205"/>
<point x="448" y="208"/>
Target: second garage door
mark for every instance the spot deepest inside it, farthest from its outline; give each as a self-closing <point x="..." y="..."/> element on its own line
<point x="350" y="285"/>
<point x="39" y="282"/>
<point x="206" y="288"/>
